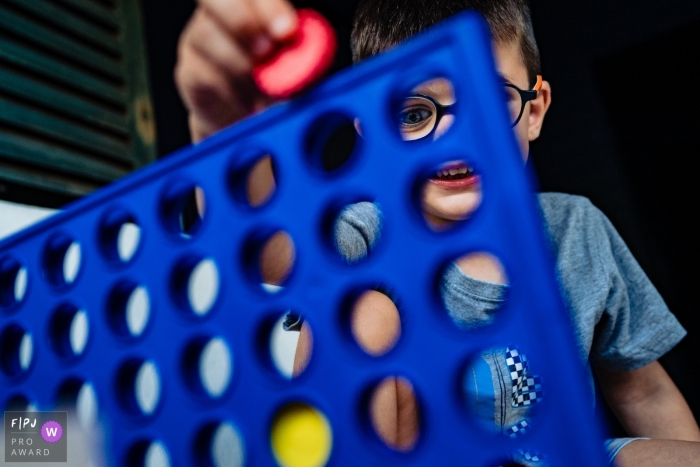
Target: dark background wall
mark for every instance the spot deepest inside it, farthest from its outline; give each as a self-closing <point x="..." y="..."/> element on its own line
<point x="623" y="130"/>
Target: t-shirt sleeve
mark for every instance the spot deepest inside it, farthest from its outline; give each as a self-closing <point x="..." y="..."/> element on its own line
<point x="636" y="327"/>
<point x="357" y="230"/>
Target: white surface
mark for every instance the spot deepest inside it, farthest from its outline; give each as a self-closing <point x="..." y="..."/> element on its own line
<point x="79" y="332"/>
<point x="71" y="262"/>
<point x="147" y="387"/>
<point x="215" y="367"/>
<point x="203" y="286"/>
<point x="227" y="449"/>
<point x="128" y="240"/>
<point x="283" y="346"/>
<point x="15" y="217"/>
<point x="138" y="310"/>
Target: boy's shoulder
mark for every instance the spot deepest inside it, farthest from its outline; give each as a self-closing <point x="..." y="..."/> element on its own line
<point x="572" y="219"/>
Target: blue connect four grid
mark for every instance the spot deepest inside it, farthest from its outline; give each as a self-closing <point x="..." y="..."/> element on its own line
<point x="408" y="260"/>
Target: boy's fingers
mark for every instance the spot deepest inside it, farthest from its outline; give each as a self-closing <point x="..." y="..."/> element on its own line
<point x="246" y="20"/>
<point x="208" y="94"/>
<point x="277" y="16"/>
<point x="212" y="42"/>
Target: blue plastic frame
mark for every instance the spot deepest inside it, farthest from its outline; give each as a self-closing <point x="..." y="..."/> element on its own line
<point x="408" y="259"/>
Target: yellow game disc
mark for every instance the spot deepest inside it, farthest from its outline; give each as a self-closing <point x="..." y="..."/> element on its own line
<point x="301" y="436"/>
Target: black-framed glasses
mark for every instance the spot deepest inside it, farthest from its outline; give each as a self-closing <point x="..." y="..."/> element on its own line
<point x="420" y="114"/>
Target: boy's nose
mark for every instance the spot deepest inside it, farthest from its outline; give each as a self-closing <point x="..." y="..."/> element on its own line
<point x="444" y="124"/>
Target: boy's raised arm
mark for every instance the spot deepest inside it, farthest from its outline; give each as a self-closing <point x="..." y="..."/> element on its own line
<point x="216" y="53"/>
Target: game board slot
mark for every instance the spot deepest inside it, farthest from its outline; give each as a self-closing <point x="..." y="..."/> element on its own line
<point x="120" y="236"/>
<point x="268" y="257"/>
<point x="424" y="111"/>
<point x="394" y="413"/>
<point x="449" y="194"/>
<point x="333" y="141"/>
<point x="373" y="319"/>
<point x="16" y="350"/>
<point x="220" y="445"/>
<point x="253" y="184"/>
<point x="79" y="397"/>
<point x="208" y="366"/>
<point x="286" y="342"/>
<point x="195" y="285"/>
<point x="301" y="436"/>
<point x="501" y="391"/>
<point x="62" y="260"/>
<point x="473" y="289"/>
<point x="148" y="453"/>
<point x="69" y="331"/>
<point x="18" y="403"/>
<point x="183" y="209"/>
<point x="352" y="230"/>
<point x="139" y="386"/>
<point x="13" y="283"/>
<point x="128" y="309"/>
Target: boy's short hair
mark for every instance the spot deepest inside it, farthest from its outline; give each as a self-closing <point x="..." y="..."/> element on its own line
<point x="380" y="24"/>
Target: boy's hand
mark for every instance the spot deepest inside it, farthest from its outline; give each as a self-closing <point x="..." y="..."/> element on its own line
<point x="216" y="54"/>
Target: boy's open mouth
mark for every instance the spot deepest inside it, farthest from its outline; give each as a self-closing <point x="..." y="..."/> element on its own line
<point x="454" y="176"/>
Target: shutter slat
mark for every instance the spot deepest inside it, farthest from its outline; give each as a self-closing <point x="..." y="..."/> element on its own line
<point x="61" y="73"/>
<point x="68" y="22"/>
<point x="60" y="130"/>
<point x="33" y="152"/>
<point x="58" y="43"/>
<point x="52" y="98"/>
<point x="45" y="180"/>
<point x="94" y="11"/>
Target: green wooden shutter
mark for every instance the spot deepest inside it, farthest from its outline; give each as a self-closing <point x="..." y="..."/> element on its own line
<point x="75" y="110"/>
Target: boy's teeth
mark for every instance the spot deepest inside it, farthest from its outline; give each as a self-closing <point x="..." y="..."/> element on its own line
<point x="452" y="172"/>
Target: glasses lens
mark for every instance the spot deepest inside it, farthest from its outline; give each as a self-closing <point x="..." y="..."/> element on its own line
<point x="514" y="103"/>
<point x="417" y="118"/>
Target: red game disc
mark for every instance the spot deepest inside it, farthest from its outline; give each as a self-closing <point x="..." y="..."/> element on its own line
<point x="301" y="60"/>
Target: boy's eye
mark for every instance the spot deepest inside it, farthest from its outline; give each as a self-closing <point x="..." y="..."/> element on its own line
<point x="414" y="116"/>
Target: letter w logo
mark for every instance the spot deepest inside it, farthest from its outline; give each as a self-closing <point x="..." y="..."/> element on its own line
<point x="52" y="432"/>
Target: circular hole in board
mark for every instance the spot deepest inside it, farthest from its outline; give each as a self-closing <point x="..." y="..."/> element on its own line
<point x="332" y="142"/>
<point x="290" y="343"/>
<point x="255" y="183"/>
<point x="129" y="309"/>
<point x="13" y="282"/>
<point x="69" y="331"/>
<point x="353" y="230"/>
<point x="220" y="445"/>
<point x="139" y="386"/>
<point x="301" y="436"/>
<point x="208" y="365"/>
<point x="375" y="322"/>
<point x="425" y="112"/>
<point x="391" y="392"/>
<point x="474" y="289"/>
<point x="79" y="397"/>
<point x="18" y="403"/>
<point x="147" y="453"/>
<point x="448" y="194"/>
<point x="269" y="259"/>
<point x="196" y="285"/>
<point x="518" y="384"/>
<point x="120" y="236"/>
<point x="62" y="260"/>
<point x="16" y="350"/>
<point x="184" y="210"/>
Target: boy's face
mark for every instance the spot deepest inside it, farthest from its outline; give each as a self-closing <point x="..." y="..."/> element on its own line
<point x="445" y="200"/>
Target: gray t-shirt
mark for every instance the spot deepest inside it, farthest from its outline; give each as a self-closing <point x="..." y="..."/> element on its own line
<point x="620" y="320"/>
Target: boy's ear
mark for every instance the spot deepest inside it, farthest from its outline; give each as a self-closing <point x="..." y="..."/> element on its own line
<point x="538" y="109"/>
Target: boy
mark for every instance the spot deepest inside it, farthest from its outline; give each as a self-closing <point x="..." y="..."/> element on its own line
<point x="611" y="310"/>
